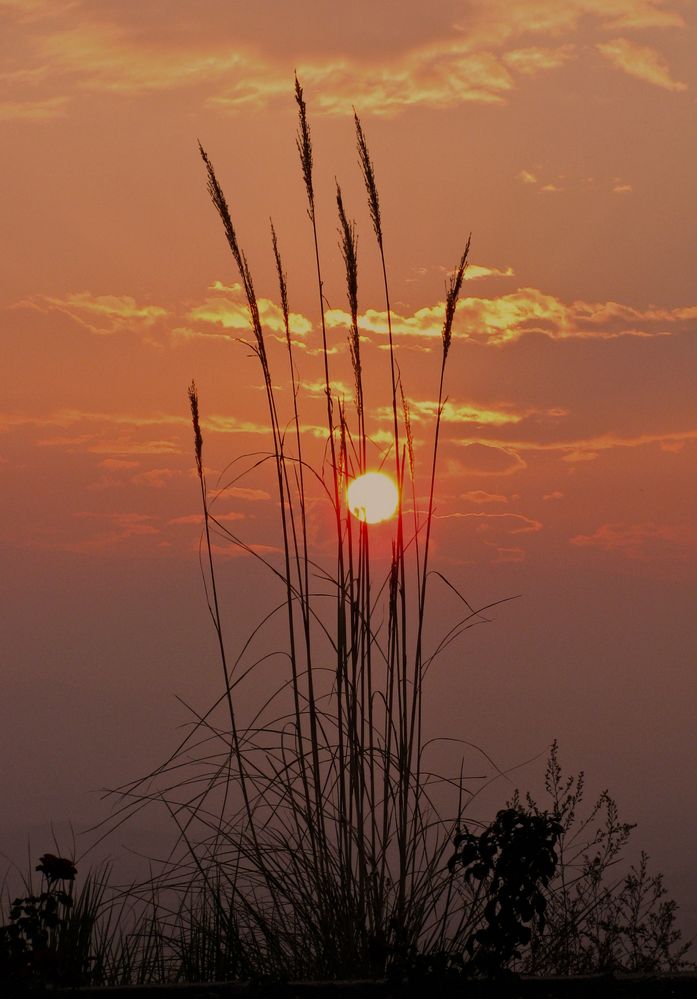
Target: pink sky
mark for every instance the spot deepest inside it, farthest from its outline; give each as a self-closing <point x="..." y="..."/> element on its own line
<point x="562" y="135"/>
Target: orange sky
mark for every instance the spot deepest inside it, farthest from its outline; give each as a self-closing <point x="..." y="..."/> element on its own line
<point x="562" y="135"/>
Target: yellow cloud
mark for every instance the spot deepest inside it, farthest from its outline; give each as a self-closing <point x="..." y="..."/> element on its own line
<point x="476" y="271"/>
<point x="438" y="76"/>
<point x="479" y="60"/>
<point x="526" y="311"/>
<point x="527" y="177"/>
<point x="640" y="61"/>
<point x="230" y="310"/>
<point x="535" y="60"/>
<point x="42" y="109"/>
<point x="101" y="314"/>
<point x="454" y="412"/>
<point x="502" y="20"/>
<point x="245" y="493"/>
<point x="481" y="496"/>
<point x="109" y="57"/>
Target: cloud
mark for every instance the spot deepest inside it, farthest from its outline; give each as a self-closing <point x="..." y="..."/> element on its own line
<point x="640" y="61"/>
<point x="476" y="458"/>
<point x="111" y="436"/>
<point x="527" y="311"/>
<point x="118" y="464"/>
<point x="42" y="109"/>
<point x="109" y="530"/>
<point x="672" y="447"/>
<point x="456" y="412"/>
<point x="587" y="449"/>
<point x="229" y="309"/>
<point x="437" y="76"/>
<point x="531" y="61"/>
<point x="491" y="456"/>
<point x="101" y="314"/>
<point x="475" y="272"/>
<point x="643" y="541"/>
<point x="481" y="60"/>
<point x="503" y="20"/>
<point x="481" y="496"/>
<point x="507" y="556"/>
<point x="197" y="518"/>
<point x="509" y="523"/>
<point x="317" y="389"/>
<point x="113" y="58"/>
<point x="245" y="493"/>
<point x="157" y="478"/>
<point x="33" y="10"/>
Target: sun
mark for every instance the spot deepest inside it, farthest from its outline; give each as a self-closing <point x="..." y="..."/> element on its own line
<point x="372" y="497"/>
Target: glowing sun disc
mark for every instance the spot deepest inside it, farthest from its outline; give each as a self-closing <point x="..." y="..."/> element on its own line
<point x="372" y="497"/>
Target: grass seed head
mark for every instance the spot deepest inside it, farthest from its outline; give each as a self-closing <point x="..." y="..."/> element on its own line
<point x="369" y="178"/>
<point x="198" y="439"/>
<point x="452" y="295"/>
<point x="304" y="144"/>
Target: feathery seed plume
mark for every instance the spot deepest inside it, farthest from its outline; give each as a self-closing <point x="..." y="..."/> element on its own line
<point x="282" y="280"/>
<point x="304" y="144"/>
<point x="198" y="439"/>
<point x="369" y="178"/>
<point x="348" y="243"/>
<point x="452" y="296"/>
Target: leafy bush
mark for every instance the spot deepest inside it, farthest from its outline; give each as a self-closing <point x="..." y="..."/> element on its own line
<point x="509" y="865"/>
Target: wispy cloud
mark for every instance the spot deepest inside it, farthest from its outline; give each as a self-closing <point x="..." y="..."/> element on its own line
<point x="483" y="60"/>
<point x="41" y="109"/>
<point x="111" y="57"/>
<point x="229" y="310"/>
<point x="101" y="314"/>
<point x="643" y="541"/>
<point x="531" y="61"/>
<point x="482" y="496"/>
<point x="641" y="61"/>
<point x="585" y="449"/>
<point x="103" y="531"/>
<point x="476" y="458"/>
<point x="475" y="272"/>
<point x="527" y="311"/>
<point x="510" y="523"/>
<point x="423" y="410"/>
<point x="197" y="518"/>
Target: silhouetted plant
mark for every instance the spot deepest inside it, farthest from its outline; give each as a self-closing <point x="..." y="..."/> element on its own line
<point x="508" y="866"/>
<point x="596" y="918"/>
<point x="30" y="952"/>
<point x="315" y="820"/>
<point x="309" y="842"/>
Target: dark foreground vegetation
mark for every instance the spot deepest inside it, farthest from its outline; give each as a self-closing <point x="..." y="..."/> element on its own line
<point x="312" y="842"/>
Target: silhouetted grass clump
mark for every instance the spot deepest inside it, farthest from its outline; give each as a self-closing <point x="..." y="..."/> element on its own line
<point x="311" y="841"/>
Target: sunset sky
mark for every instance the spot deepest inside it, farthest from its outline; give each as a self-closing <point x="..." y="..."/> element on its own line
<point x="563" y="136"/>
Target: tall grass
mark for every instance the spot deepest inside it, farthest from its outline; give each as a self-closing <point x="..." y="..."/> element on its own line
<point x="312" y="843"/>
